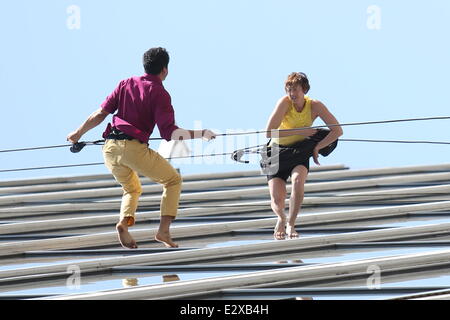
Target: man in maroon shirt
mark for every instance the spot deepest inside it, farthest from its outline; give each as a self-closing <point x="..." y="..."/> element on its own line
<point x="141" y="103"/>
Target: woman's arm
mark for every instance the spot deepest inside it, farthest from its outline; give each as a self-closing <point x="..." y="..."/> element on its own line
<point x="321" y="111"/>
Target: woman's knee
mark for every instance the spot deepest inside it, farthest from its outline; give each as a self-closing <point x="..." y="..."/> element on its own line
<point x="298" y="183"/>
<point x="298" y="179"/>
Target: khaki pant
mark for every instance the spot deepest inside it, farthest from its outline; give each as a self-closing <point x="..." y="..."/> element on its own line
<point x="128" y="158"/>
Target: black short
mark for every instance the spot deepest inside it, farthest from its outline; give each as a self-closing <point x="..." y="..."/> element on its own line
<point x="286" y="171"/>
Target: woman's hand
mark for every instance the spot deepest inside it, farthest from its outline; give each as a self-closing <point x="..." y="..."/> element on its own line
<point x="307" y="132"/>
<point x="316" y="156"/>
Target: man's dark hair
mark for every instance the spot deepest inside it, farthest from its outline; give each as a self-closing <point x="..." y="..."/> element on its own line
<point x="155" y="59"/>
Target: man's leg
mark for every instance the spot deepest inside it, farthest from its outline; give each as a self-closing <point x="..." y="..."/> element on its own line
<point x="131" y="191"/>
<point x="163" y="234"/>
<point x="171" y="181"/>
<point x="149" y="163"/>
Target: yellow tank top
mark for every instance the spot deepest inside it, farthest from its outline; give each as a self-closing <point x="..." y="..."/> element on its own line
<point x="294" y="119"/>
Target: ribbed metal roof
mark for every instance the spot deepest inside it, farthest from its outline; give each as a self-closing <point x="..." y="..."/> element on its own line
<point x="364" y="234"/>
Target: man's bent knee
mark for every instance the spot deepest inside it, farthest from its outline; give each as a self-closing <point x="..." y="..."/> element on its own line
<point x="134" y="192"/>
<point x="174" y="181"/>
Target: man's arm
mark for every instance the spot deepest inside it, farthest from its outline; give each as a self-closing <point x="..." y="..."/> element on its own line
<point x="94" y="120"/>
<point x="165" y="119"/>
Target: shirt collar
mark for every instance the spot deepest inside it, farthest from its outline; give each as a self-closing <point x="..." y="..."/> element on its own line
<point x="152" y="77"/>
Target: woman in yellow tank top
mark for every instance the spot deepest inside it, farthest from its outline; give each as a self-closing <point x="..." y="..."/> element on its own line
<point x="294" y="118"/>
<point x="295" y="110"/>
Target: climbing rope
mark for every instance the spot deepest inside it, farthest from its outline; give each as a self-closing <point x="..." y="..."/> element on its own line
<point x="237" y="154"/>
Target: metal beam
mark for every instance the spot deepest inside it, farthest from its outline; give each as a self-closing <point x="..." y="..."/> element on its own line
<point x="360" y="196"/>
<point x="229" y="252"/>
<point x="236" y="207"/>
<point x="399" y="263"/>
<point x="108" y="238"/>
<point x="200" y="185"/>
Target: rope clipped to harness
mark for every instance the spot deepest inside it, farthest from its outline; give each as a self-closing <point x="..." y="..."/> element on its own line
<point x="238" y="154"/>
<point x="273" y="156"/>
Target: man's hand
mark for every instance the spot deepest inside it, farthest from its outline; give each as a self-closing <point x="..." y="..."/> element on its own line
<point x="316" y="156"/>
<point x="208" y="135"/>
<point x="184" y="134"/>
<point x="94" y="120"/>
<point x="74" y="136"/>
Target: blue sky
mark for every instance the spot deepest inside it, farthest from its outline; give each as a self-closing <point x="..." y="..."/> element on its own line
<point x="366" y="60"/>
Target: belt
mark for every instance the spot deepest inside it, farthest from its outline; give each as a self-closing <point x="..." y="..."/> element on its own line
<point x="118" y="135"/>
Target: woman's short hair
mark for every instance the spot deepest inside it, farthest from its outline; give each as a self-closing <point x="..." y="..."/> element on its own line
<point x="297" y="79"/>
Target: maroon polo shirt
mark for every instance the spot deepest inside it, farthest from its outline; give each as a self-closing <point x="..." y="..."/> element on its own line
<point x="141" y="102"/>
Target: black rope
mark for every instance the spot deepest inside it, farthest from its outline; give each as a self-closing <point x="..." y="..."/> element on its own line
<point x="96" y="143"/>
<point x="255" y="149"/>
<point x="248" y="150"/>
<point x="37" y="148"/>
<point x="99" y="142"/>
<point x="99" y="163"/>
<point x="250" y="132"/>
<point x="396" y="141"/>
<point x="53" y="167"/>
<point x="336" y="125"/>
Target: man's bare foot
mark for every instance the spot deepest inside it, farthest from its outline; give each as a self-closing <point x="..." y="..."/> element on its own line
<point x="290" y="232"/>
<point x="125" y="238"/>
<point x="279" y="232"/>
<point x="164" y="237"/>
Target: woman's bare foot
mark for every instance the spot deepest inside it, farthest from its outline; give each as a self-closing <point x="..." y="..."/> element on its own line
<point x="165" y="238"/>
<point x="125" y="238"/>
<point x="279" y="232"/>
<point x="290" y="232"/>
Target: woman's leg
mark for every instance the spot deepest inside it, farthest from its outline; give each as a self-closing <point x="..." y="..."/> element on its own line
<point x="298" y="179"/>
<point x="277" y="187"/>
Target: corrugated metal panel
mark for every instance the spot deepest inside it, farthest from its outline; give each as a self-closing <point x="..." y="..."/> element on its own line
<point x="372" y="228"/>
